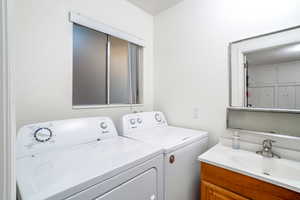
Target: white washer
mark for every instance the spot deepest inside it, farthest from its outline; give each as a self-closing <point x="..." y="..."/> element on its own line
<point x="181" y="149"/>
<point x="84" y="159"/>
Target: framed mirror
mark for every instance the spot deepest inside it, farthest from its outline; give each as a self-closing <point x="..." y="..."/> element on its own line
<point x="265" y="71"/>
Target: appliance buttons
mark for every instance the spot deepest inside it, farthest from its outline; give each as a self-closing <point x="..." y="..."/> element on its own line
<point x="103" y="125"/>
<point x="139" y="120"/>
<point x="157" y="117"/>
<point x="132" y="121"/>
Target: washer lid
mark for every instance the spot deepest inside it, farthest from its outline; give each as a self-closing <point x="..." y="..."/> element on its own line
<point x="169" y="138"/>
<point x="61" y="173"/>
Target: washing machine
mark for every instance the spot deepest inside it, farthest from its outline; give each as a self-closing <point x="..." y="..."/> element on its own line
<point x="85" y="159"/>
<point x="181" y="148"/>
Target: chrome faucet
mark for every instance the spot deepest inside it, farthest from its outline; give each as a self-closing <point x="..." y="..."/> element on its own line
<point x="267" y="149"/>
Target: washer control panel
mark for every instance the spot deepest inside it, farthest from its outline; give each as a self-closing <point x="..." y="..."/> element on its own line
<point x="47" y="136"/>
<point x="105" y="127"/>
<point x="135" y="121"/>
<point x="144" y="120"/>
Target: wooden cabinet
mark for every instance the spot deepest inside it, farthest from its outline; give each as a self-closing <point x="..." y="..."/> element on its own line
<point x="212" y="192"/>
<point x="222" y="184"/>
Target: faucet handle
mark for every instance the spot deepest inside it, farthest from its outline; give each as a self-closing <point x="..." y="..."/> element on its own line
<point x="268" y="143"/>
<point x="267" y="149"/>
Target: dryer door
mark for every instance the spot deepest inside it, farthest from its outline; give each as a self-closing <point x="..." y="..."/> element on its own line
<point x="142" y="187"/>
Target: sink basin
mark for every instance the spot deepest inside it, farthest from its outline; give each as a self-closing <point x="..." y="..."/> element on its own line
<point x="282" y="172"/>
<point x="277" y="168"/>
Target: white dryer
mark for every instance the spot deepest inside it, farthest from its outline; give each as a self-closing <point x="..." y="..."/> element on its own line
<point x="181" y="149"/>
<point x="85" y="159"/>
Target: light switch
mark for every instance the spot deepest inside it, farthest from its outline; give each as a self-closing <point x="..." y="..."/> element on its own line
<point x="196" y="113"/>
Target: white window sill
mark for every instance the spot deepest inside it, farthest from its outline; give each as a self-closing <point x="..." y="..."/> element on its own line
<point x="106" y="106"/>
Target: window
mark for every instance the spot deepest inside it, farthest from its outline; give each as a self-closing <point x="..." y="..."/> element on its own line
<point x="106" y="69"/>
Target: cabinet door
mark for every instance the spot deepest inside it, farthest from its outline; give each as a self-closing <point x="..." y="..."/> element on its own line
<point x="212" y="192"/>
<point x="261" y="97"/>
<point x="286" y="97"/>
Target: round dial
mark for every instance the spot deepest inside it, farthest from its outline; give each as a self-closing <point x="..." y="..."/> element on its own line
<point x="157" y="117"/>
<point x="132" y="121"/>
<point x="43" y="134"/>
<point x="139" y="120"/>
<point x="103" y="125"/>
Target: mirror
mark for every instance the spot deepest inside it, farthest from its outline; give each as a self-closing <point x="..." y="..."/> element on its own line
<point x="265" y="71"/>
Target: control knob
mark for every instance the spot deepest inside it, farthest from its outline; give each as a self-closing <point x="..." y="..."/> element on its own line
<point x="103" y="125"/>
<point x="43" y="134"/>
<point x="132" y="121"/>
<point x="139" y="120"/>
<point x="157" y="117"/>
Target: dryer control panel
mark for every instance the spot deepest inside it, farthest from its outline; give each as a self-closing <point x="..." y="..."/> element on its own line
<point x="141" y="121"/>
<point x="48" y="136"/>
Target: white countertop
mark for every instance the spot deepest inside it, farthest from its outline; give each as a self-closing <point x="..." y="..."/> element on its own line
<point x="282" y="172"/>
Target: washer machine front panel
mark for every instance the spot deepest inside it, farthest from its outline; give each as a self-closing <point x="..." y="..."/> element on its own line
<point x="141" y="187"/>
<point x="143" y="182"/>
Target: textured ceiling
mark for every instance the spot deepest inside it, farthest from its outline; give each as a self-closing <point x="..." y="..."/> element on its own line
<point x="154" y="6"/>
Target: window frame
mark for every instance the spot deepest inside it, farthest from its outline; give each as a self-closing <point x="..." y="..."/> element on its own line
<point x="78" y="19"/>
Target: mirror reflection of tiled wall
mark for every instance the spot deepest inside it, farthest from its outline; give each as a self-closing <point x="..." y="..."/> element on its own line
<point x="269" y="122"/>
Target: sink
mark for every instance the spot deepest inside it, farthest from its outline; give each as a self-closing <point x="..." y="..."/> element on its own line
<point x="277" y="168"/>
<point x="280" y="172"/>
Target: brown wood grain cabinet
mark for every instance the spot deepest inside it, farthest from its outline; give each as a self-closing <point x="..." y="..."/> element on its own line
<point x="221" y="184"/>
<point x="212" y="192"/>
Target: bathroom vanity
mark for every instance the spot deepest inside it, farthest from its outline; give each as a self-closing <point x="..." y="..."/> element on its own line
<point x="264" y="102"/>
<point x="228" y="174"/>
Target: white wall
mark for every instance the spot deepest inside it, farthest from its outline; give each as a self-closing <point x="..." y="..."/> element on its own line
<point x="191" y="41"/>
<point x="44" y="55"/>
